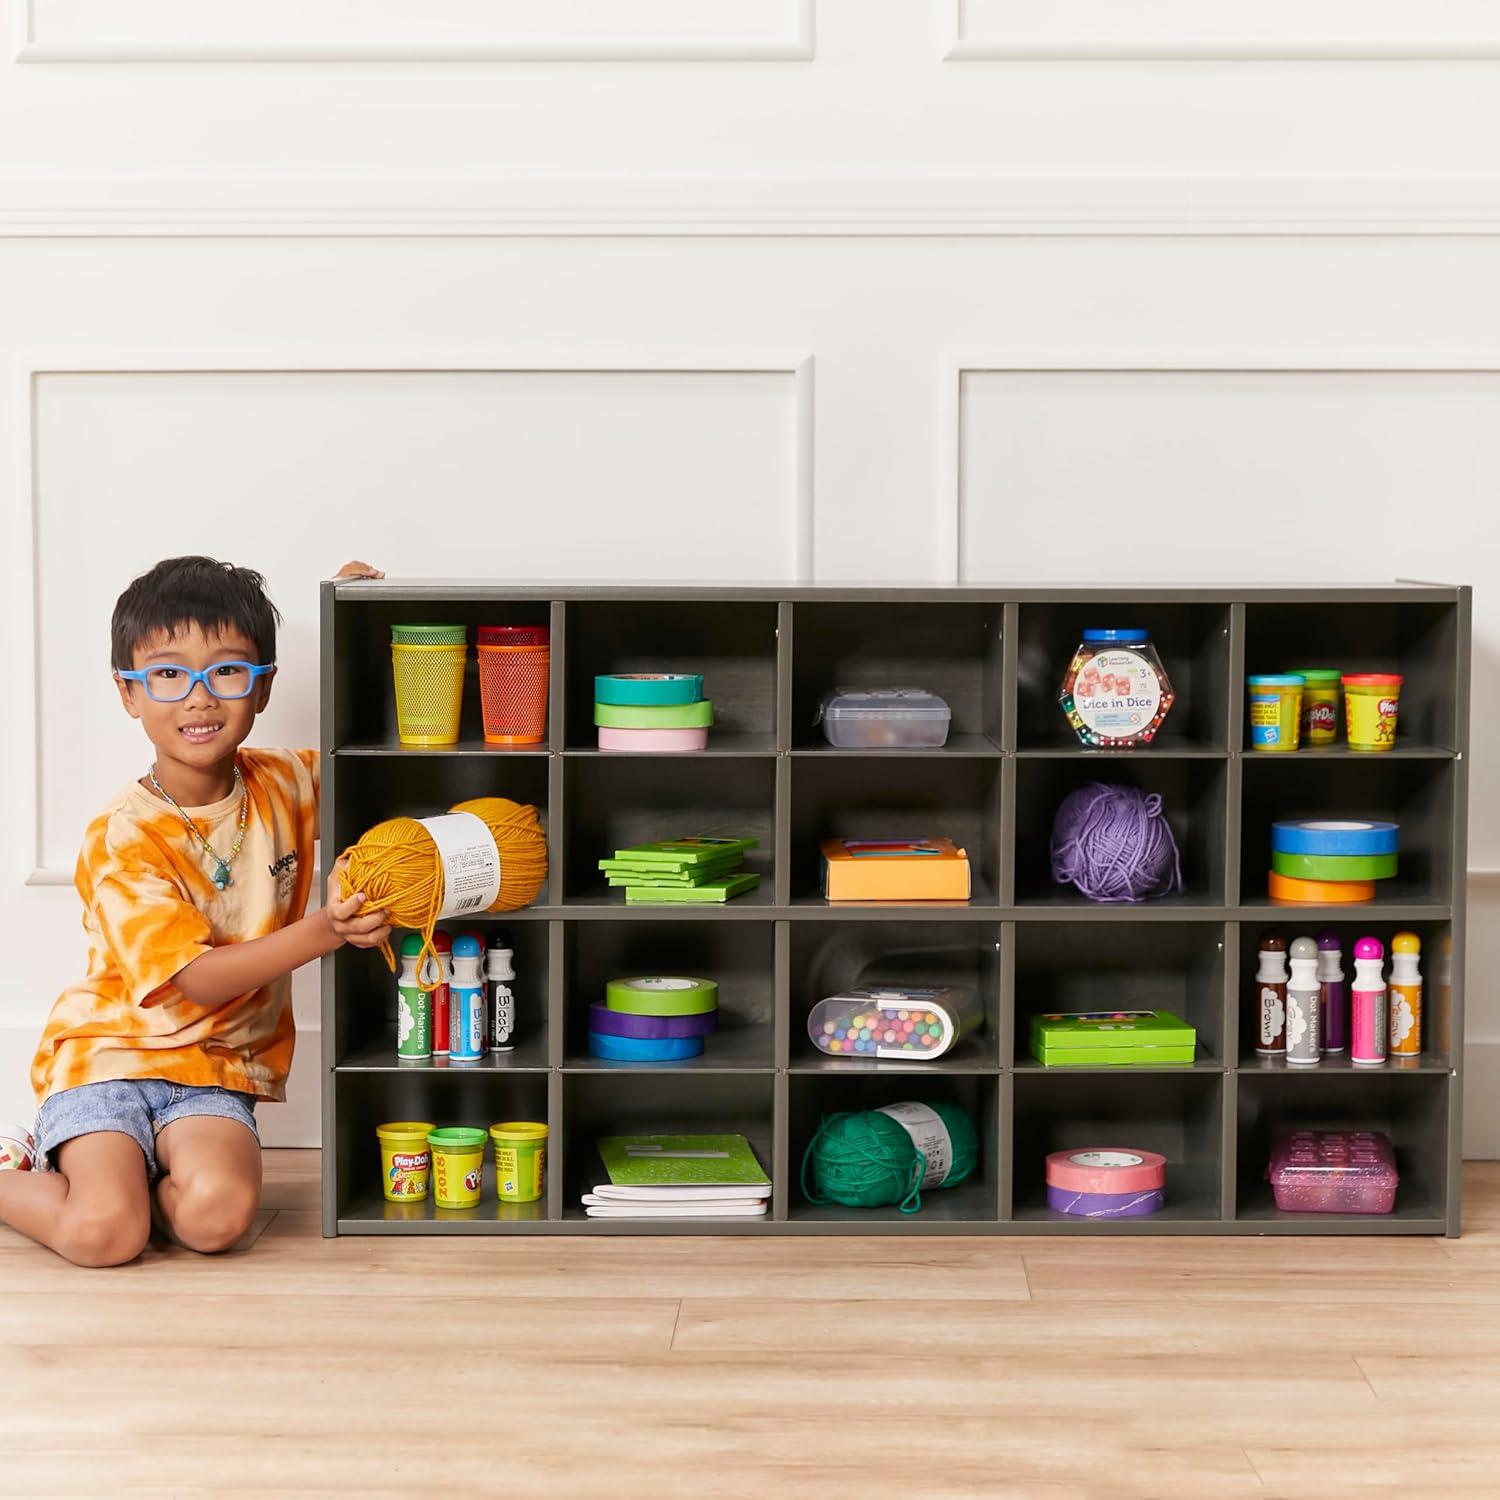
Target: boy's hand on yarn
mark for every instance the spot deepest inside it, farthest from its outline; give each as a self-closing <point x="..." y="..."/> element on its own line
<point x="349" y="922"/>
<point x="358" y="569"/>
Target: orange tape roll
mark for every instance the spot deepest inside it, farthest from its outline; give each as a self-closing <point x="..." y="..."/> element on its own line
<point x="1320" y="892"/>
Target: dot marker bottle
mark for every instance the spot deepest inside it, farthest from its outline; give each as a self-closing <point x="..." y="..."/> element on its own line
<point x="1270" y="997"/>
<point x="1303" y="1044"/>
<point x="442" y="1024"/>
<point x="413" y="1009"/>
<point x="466" y="1001"/>
<point x="1333" y="994"/>
<point x="500" y="973"/>
<point x="1406" y="995"/>
<point x="1367" y="1048"/>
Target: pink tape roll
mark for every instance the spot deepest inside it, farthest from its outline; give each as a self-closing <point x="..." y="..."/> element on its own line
<point x="653" y="739"/>
<point x="1106" y="1169"/>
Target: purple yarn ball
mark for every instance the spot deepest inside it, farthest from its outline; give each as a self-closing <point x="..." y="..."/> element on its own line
<point x="1114" y="843"/>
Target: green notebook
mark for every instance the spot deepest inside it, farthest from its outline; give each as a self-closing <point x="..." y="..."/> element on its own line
<point x="1105" y="1038"/>
<point x="715" y="890"/>
<point x="683" y="854"/>
<point x="681" y="1161"/>
<point x="619" y="871"/>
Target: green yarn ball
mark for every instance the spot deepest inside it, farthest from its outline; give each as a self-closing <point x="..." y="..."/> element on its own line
<point x="866" y="1159"/>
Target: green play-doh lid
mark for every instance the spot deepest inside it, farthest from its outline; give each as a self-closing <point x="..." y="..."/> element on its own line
<point x="1319" y="676"/>
<point x="457" y="1138"/>
<point x="429" y="635"/>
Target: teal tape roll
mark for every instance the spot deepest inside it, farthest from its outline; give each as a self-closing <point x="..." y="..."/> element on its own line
<point x="1334" y="866"/>
<point x="647" y="689"/>
<point x="664" y="716"/>
<point x="676" y="996"/>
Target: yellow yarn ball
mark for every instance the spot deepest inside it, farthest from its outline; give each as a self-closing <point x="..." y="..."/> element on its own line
<point x="396" y="865"/>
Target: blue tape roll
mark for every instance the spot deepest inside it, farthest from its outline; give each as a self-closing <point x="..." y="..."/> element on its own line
<point x="647" y="689"/>
<point x="633" y="1049"/>
<point x="1335" y="836"/>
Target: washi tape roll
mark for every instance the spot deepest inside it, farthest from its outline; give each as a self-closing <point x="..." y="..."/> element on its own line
<point x="650" y="1028"/>
<point x="651" y="996"/>
<point x="647" y="689"/>
<point x="1334" y="866"/>
<point x="1106" y="1169"/>
<point x="698" y="715"/>
<point x="1320" y="892"/>
<point x="653" y="741"/>
<point x="1105" y="1205"/>
<point x="1336" y="837"/>
<point x="634" y="1049"/>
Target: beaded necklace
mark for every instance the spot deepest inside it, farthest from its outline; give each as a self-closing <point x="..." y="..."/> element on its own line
<point x="221" y="877"/>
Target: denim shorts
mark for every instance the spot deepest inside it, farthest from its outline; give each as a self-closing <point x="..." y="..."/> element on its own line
<point x="137" y="1107"/>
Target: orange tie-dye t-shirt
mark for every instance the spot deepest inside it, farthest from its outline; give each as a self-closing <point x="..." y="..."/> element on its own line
<point x="151" y="908"/>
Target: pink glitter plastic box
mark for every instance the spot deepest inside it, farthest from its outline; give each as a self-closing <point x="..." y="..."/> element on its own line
<point x="1333" y="1172"/>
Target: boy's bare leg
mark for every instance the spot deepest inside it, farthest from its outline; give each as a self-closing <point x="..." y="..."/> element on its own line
<point x="211" y="1184"/>
<point x="95" y="1210"/>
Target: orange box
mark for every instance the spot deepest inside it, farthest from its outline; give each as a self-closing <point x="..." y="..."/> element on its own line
<point x="894" y="870"/>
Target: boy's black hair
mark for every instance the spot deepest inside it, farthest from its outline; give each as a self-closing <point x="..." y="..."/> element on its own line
<point x="197" y="591"/>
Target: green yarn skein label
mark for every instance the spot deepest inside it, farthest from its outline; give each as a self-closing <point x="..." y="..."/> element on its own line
<point x="929" y="1135"/>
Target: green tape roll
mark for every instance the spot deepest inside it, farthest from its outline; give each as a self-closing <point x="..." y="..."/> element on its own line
<point x="674" y="996"/>
<point x="698" y="715"/>
<point x="1334" y="866"/>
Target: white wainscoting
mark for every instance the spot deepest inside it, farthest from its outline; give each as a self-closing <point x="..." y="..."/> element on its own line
<point x="1233" y="30"/>
<point x="332" y="31"/>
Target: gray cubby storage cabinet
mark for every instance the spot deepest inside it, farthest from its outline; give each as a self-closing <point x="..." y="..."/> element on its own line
<point x="996" y="654"/>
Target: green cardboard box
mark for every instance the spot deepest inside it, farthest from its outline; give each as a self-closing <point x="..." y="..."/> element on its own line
<point x="1112" y="1039"/>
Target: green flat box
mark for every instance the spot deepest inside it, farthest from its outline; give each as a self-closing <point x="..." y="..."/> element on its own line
<point x="1106" y="1039"/>
<point x="684" y="854"/>
<point x="717" y="890"/>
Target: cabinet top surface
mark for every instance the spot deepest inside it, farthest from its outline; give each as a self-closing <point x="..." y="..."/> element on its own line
<point x="480" y="589"/>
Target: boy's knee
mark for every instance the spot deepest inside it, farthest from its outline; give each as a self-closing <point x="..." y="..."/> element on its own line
<point x="97" y="1239"/>
<point x="213" y="1214"/>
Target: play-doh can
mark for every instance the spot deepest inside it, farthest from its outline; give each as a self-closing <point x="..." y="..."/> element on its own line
<point x="405" y="1160"/>
<point x="520" y="1160"/>
<point x="1275" y="710"/>
<point x="457" y="1165"/>
<point x="1371" y="700"/>
<point x="1320" y="705"/>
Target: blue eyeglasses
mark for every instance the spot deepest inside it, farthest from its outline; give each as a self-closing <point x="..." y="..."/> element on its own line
<point x="225" y="679"/>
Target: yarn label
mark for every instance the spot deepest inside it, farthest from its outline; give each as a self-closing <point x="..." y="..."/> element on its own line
<point x="929" y="1135"/>
<point x="1117" y="693"/>
<point x="471" y="862"/>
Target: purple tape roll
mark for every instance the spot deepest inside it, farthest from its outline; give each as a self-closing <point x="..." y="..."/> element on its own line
<point x="650" y="1028"/>
<point x="1104" y="1205"/>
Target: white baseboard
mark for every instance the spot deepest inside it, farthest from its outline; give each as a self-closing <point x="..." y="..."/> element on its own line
<point x="298" y="1122"/>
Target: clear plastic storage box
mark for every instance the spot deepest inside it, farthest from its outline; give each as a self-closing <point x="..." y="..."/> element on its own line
<point x="884" y="718"/>
<point x="1333" y="1172"/>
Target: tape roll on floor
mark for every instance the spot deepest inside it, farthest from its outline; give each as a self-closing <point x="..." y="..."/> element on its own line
<point x="647" y="689"/>
<point x="1106" y="1169"/>
<point x="609" y="1022"/>
<point x="1320" y="892"/>
<point x="1335" y="836"/>
<point x="654" y="741"/>
<point x="1334" y="866"/>
<point x="651" y="996"/>
<point x="633" y="1049"/>
<point x="698" y="715"/>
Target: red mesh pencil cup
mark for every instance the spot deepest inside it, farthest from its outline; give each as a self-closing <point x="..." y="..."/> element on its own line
<point x="514" y="663"/>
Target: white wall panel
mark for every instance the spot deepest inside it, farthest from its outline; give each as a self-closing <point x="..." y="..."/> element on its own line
<point x="396" y="30"/>
<point x="1232" y="29"/>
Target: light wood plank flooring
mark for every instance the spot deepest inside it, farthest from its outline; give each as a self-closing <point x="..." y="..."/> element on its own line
<point x="711" y="1368"/>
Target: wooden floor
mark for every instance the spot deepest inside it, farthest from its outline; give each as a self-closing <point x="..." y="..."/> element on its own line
<point x="733" y="1367"/>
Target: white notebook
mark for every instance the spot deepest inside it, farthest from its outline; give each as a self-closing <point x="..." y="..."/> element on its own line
<point x="719" y="1210"/>
<point x="720" y="1192"/>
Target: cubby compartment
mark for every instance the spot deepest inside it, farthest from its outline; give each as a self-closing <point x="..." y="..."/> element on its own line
<point x="615" y="802"/>
<point x="364" y="695"/>
<point x="1178" y="1116"/>
<point x="740" y="957"/>
<point x="597" y="1104"/>
<point x="1417" y="794"/>
<point x="1411" y="1110"/>
<point x="1436" y="961"/>
<point x="1418" y="639"/>
<point x="1193" y="793"/>
<point x="445" y="1097"/>
<point x="1191" y="639"/>
<point x="365" y="1018"/>
<point x="951" y="649"/>
<point x="830" y="957"/>
<point x="732" y="646"/>
<point x="868" y="797"/>
<point x="1073" y="967"/>
<point x="812" y="1096"/>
